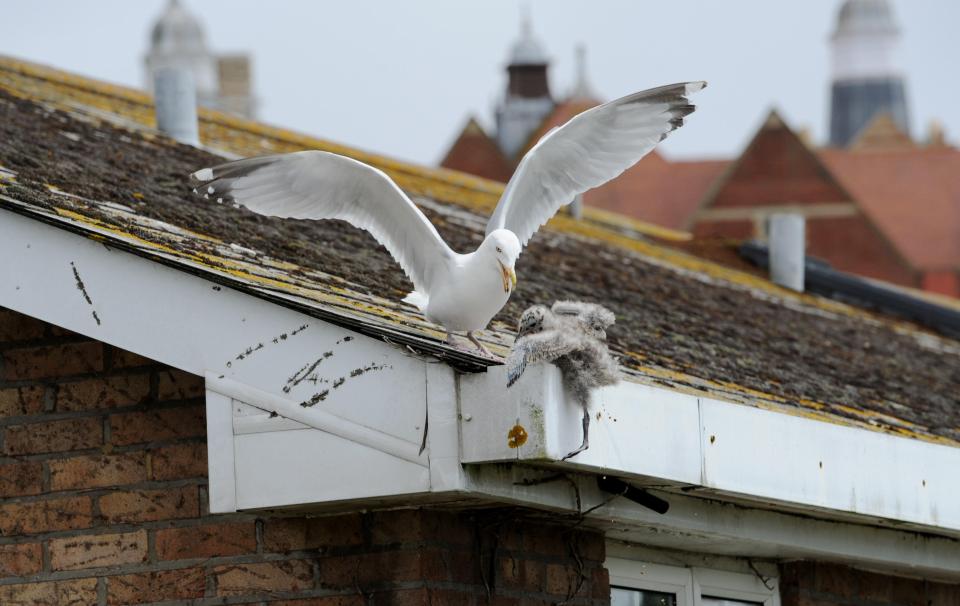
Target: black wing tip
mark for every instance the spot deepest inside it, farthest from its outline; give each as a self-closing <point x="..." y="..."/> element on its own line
<point x="671" y="93"/>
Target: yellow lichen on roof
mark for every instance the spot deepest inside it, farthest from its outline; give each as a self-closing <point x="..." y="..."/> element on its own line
<point x="243" y="137"/>
<point x="247" y="138"/>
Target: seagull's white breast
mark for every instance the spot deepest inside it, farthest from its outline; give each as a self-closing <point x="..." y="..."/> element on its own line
<point x="471" y="294"/>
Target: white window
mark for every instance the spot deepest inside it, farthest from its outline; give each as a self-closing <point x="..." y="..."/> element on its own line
<point x="635" y="583"/>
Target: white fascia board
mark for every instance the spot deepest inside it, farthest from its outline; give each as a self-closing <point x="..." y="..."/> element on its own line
<point x="682" y="440"/>
<point x="277" y="356"/>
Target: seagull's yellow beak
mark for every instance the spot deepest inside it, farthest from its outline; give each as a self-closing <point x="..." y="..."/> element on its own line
<point x="509" y="277"/>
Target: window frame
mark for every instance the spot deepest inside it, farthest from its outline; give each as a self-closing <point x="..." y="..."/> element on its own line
<point x="691" y="583"/>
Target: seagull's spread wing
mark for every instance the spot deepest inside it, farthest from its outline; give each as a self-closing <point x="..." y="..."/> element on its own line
<point x="589" y="150"/>
<point x="322" y="185"/>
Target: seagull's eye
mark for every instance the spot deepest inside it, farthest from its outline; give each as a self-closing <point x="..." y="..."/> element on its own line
<point x="498" y="249"/>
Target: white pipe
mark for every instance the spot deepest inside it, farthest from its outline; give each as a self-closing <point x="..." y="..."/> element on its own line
<point x="316" y="418"/>
<point x="787" y="244"/>
<point x="176" y="104"/>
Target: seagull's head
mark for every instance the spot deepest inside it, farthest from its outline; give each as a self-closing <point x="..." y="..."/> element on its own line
<point x="505" y="247"/>
<point x="532" y="320"/>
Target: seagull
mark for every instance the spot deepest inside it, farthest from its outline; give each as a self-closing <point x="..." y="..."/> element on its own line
<point x="572" y="335"/>
<point x="460" y="292"/>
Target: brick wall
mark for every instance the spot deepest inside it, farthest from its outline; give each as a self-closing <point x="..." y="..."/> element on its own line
<point x="103" y="500"/>
<point x="820" y="584"/>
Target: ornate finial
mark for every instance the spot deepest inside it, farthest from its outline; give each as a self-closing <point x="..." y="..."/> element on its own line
<point x="526" y="30"/>
<point x="581" y="84"/>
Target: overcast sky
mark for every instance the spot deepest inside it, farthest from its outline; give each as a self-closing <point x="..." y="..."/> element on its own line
<point x="400" y="78"/>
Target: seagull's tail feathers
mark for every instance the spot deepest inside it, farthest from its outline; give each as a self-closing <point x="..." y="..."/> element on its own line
<point x="418" y="300"/>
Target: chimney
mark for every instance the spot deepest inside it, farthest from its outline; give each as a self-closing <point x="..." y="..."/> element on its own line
<point x="576" y="207"/>
<point x="787" y="242"/>
<point x="175" y="97"/>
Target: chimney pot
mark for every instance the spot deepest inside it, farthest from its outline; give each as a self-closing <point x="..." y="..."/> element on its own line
<point x="787" y="244"/>
<point x="176" y="104"/>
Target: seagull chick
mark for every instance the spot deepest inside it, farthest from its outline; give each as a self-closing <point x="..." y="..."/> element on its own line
<point x="571" y="335"/>
<point x="461" y="292"/>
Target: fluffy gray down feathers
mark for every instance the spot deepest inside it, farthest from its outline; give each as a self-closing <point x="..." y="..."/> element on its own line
<point x="572" y="335"/>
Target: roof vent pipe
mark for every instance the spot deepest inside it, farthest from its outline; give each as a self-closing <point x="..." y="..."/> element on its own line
<point x="176" y="104"/>
<point x="787" y="242"/>
<point x="576" y="207"/>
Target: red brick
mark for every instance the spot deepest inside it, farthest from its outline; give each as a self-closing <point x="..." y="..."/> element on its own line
<point x="19" y="479"/>
<point x="79" y="592"/>
<point x="18" y="401"/>
<point x="97" y="471"/>
<point x="590" y="546"/>
<point x="94" y="551"/>
<point x="178" y="385"/>
<point x="59" y="331"/>
<point x="265" y="577"/>
<point x="332" y="600"/>
<point x="291" y="534"/>
<point x="527" y="575"/>
<point x="600" y="583"/>
<point x="561" y="579"/>
<point x="150" y="505"/>
<point x="458" y="566"/>
<point x="121" y="358"/>
<point x="53" y="436"/>
<point x="941" y="594"/>
<point x="45" y="516"/>
<point x="183" y="584"/>
<point x="547" y="540"/>
<point x="207" y="541"/>
<point x="399" y="526"/>
<point x="20" y="560"/>
<point x="18" y="327"/>
<point x="103" y="392"/>
<point x="155" y="425"/>
<point x="906" y="592"/>
<point x="346" y="571"/>
<point x="179" y="462"/>
<point x="340" y="572"/>
<point x="447" y="528"/>
<point x="401" y="597"/>
<point x="53" y="360"/>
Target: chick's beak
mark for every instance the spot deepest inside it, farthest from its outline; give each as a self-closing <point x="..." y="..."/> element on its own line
<point x="509" y="277"/>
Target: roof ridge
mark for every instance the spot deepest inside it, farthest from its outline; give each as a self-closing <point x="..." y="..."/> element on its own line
<point x="447" y="185"/>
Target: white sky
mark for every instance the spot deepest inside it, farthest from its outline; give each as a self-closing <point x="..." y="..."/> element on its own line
<point x="400" y="78"/>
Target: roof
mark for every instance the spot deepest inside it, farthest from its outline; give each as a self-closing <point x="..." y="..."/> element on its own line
<point x="910" y="193"/>
<point x="474" y="152"/>
<point x="656" y="191"/>
<point x="913" y="195"/>
<point x="80" y="154"/>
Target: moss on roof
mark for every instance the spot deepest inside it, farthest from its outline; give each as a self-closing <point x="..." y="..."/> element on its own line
<point x="681" y="321"/>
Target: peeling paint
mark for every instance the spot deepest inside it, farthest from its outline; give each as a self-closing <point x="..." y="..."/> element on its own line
<point x="305" y="372"/>
<point x="83" y="290"/>
<point x="315" y="398"/>
<point x="356" y="372"/>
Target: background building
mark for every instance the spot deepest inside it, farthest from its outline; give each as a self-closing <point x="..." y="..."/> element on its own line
<point x="877" y="202"/>
<point x="223" y="82"/>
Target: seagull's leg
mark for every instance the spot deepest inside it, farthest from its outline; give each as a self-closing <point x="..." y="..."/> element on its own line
<point x="479" y="345"/>
<point x="586" y="435"/>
